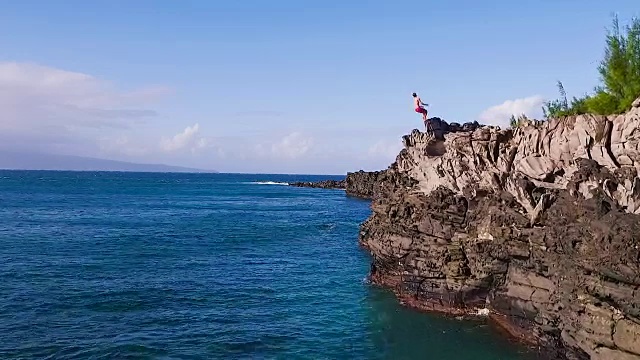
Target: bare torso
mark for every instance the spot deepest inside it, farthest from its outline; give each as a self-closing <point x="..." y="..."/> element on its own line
<point x="417" y="102"/>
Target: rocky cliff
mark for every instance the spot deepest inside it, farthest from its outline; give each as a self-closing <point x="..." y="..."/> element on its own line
<point x="361" y="184"/>
<point x="324" y="184"/>
<point x="538" y="226"/>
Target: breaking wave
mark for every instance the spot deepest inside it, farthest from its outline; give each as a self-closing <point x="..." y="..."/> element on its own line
<point x="268" y="183"/>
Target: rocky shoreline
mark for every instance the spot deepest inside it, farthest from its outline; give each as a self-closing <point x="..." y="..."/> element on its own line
<point x="324" y="184"/>
<point x="361" y="184"/>
<point x="538" y="227"/>
<point x="364" y="184"/>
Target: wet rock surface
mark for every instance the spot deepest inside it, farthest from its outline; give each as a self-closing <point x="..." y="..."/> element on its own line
<point x="362" y="184"/>
<point x="324" y="184"/>
<point x="540" y="225"/>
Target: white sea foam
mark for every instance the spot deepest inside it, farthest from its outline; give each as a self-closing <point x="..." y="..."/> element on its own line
<point x="268" y="183"/>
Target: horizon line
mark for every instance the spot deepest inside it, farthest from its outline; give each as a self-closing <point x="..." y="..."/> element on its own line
<point x="212" y="172"/>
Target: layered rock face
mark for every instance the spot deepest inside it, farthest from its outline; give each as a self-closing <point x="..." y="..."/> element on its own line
<point x="540" y="225"/>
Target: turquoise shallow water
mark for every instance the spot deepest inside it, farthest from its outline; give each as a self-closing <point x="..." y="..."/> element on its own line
<point x="201" y="266"/>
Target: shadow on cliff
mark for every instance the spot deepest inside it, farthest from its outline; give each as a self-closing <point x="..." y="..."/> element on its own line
<point x="436" y="148"/>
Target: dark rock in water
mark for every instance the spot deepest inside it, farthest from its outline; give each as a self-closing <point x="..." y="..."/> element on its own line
<point x="362" y="183"/>
<point x="358" y="184"/>
<point x="325" y="184"/>
<point x="538" y="226"/>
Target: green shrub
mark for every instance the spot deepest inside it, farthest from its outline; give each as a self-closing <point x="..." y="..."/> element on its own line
<point x="619" y="73"/>
<point x="557" y="107"/>
<point x="519" y="121"/>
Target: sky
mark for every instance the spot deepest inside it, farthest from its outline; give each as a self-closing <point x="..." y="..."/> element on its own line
<point x="281" y="86"/>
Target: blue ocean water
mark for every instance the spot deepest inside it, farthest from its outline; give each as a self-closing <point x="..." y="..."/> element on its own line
<point x="98" y="265"/>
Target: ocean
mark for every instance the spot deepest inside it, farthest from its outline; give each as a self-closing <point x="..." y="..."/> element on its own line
<point x="106" y="265"/>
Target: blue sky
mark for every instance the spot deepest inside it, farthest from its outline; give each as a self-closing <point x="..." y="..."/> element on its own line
<point x="278" y="85"/>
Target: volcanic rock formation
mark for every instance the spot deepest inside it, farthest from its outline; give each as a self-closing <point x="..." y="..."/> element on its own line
<point x="539" y="224"/>
<point x="364" y="184"/>
<point x="324" y="184"/>
<point x="358" y="184"/>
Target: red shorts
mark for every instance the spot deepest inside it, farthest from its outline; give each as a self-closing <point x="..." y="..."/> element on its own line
<point x="421" y="110"/>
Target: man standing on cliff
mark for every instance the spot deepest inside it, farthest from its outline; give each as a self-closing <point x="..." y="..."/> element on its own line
<point x="417" y="104"/>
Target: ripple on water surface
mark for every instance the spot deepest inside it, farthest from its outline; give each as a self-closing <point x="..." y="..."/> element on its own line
<point x="120" y="265"/>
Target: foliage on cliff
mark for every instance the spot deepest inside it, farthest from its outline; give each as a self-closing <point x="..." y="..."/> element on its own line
<point x="619" y="74"/>
<point x="519" y="121"/>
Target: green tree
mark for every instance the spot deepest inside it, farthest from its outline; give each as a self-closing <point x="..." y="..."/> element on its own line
<point x="619" y="71"/>
<point x="519" y="121"/>
<point x="513" y="122"/>
<point x="558" y="107"/>
<point x="619" y="75"/>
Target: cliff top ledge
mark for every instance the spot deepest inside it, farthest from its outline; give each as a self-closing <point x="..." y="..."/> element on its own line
<point x="546" y="154"/>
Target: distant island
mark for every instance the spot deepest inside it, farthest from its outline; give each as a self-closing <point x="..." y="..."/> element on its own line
<point x="11" y="160"/>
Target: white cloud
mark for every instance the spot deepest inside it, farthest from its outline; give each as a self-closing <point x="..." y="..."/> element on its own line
<point x="58" y="111"/>
<point x="292" y="146"/>
<point x="500" y="114"/>
<point x="189" y="138"/>
<point x="33" y="95"/>
<point x="51" y="110"/>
